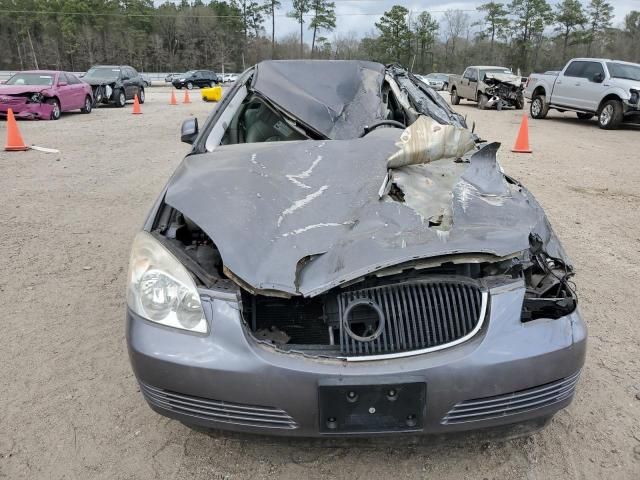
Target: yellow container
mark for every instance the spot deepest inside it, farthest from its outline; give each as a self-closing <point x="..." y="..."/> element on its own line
<point x="212" y="94"/>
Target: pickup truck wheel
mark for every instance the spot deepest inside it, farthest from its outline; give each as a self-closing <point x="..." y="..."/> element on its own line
<point x="539" y="107"/>
<point x="611" y="114"/>
<point x="519" y="103"/>
<point x="584" y="116"/>
<point x="455" y="99"/>
<point x="482" y="101"/>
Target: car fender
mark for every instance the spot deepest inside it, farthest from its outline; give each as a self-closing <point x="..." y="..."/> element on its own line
<point x="616" y="90"/>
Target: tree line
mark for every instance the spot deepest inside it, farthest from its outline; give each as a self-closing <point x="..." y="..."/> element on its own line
<point x="523" y="34"/>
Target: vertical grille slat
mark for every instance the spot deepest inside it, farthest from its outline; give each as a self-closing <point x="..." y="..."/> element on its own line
<point x="417" y="315"/>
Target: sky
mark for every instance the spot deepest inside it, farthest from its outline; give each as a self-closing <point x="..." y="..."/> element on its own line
<point x="359" y="16"/>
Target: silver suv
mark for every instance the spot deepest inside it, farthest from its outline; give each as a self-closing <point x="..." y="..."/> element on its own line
<point x="609" y="89"/>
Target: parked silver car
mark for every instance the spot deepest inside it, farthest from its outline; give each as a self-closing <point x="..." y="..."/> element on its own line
<point x="348" y="261"/>
<point x="609" y="89"/>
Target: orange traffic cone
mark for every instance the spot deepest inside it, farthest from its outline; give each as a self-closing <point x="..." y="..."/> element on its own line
<point x="136" y="106"/>
<point x="186" y="97"/>
<point x="173" y="98"/>
<point x="522" y="140"/>
<point x="15" y="143"/>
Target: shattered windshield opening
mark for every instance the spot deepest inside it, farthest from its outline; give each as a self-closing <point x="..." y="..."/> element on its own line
<point x="30" y="79"/>
<point x="624" y="71"/>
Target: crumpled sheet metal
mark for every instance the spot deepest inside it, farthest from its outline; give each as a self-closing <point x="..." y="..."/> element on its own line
<point x="511" y="79"/>
<point x="304" y="217"/>
<point x="425" y="140"/>
<point x="335" y="98"/>
<point x="426" y="100"/>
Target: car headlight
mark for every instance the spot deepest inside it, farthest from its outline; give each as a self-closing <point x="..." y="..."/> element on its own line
<point x="161" y="289"/>
<point x="182" y="80"/>
<point x="635" y="96"/>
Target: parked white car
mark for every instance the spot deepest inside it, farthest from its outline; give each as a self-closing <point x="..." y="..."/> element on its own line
<point x="609" y="89"/>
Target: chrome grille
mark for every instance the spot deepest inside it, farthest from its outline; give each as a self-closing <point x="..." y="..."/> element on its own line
<point x="513" y="403"/>
<point x="418" y="315"/>
<point x="217" y="410"/>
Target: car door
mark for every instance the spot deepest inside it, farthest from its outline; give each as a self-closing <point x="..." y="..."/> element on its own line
<point x="469" y="83"/>
<point x="589" y="89"/>
<point x="564" y="90"/>
<point x="128" y="82"/>
<point x="65" y="93"/>
<point x="78" y="89"/>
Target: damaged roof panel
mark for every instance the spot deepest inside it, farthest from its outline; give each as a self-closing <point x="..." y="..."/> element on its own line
<point x="336" y="98"/>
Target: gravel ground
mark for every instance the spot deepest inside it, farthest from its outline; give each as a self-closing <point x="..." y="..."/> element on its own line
<point x="70" y="406"/>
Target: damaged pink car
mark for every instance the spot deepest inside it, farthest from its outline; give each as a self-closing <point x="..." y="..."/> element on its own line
<point x="44" y="94"/>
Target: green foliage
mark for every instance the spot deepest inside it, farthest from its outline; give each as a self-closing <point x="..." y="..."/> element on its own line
<point x="530" y="17"/>
<point x="569" y="17"/>
<point x="299" y="9"/>
<point x="394" y="42"/>
<point x="324" y="19"/>
<point x="495" y="22"/>
<point x="599" y="14"/>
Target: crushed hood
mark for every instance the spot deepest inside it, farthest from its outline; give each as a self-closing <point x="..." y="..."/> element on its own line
<point x="22" y="89"/>
<point x="335" y="98"/>
<point x="510" y="79"/>
<point x="304" y="217"/>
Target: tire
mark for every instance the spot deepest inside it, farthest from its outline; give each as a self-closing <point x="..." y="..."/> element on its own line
<point x="482" y="101"/>
<point x="455" y="99"/>
<point x="519" y="103"/>
<point x="611" y="114"/>
<point x="539" y="107"/>
<point x="56" y="112"/>
<point x="141" y="95"/>
<point x="178" y="87"/>
<point x="584" y="116"/>
<point x="189" y="86"/>
<point x="120" y="98"/>
<point x="88" y="105"/>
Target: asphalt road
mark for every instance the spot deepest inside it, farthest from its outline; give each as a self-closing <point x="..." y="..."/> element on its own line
<point x="69" y="404"/>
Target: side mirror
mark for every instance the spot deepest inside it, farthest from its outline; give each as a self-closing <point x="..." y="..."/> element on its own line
<point x="62" y="84"/>
<point x="598" y="77"/>
<point x="189" y="130"/>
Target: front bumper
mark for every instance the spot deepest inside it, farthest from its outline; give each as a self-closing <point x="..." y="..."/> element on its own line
<point x="257" y="389"/>
<point x="22" y="109"/>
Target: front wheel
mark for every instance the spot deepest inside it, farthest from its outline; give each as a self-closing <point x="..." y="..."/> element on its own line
<point x="55" y="111"/>
<point x="519" y="103"/>
<point x="88" y="105"/>
<point x="539" y="107"/>
<point x="455" y="99"/>
<point x="141" y="96"/>
<point x="482" y="101"/>
<point x="120" y="98"/>
<point x="189" y="86"/>
<point x="611" y="115"/>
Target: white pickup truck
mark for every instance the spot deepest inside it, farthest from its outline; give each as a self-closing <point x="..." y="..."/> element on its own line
<point x="609" y="89"/>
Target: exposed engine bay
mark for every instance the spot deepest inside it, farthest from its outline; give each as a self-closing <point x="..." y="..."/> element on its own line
<point x="503" y="91"/>
<point x="377" y="313"/>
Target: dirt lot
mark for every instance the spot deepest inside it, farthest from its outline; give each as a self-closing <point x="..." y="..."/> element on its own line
<point x="70" y="406"/>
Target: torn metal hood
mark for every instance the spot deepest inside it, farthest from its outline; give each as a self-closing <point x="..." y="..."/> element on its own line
<point x="303" y="217"/>
<point x="336" y="98"/>
<point x="508" y="78"/>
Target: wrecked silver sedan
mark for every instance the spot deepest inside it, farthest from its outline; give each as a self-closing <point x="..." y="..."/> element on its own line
<point x="347" y="258"/>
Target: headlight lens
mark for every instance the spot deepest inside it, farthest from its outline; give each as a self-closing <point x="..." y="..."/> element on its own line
<point x="160" y="289"/>
<point x="635" y="96"/>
